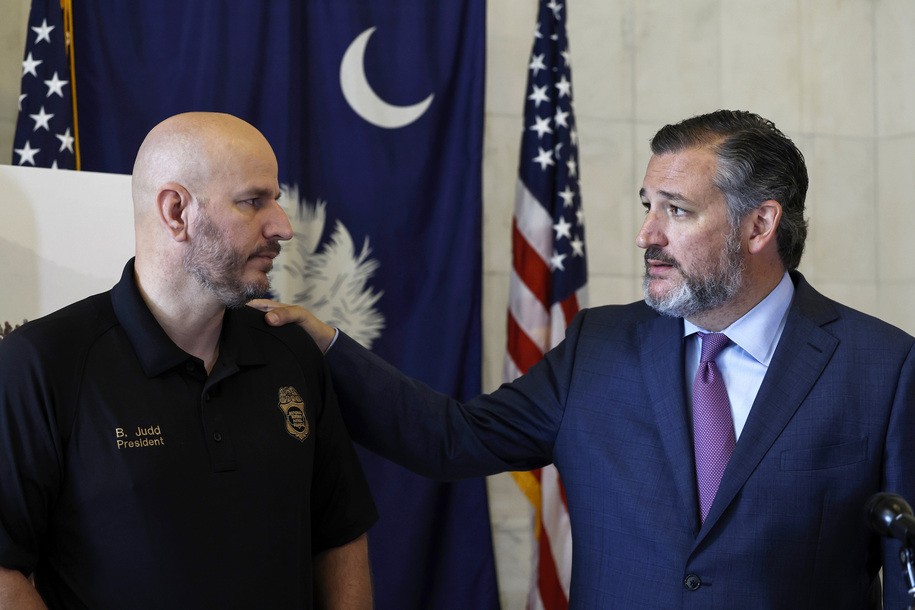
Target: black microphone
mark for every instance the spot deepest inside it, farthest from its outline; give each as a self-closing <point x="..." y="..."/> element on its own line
<point x="890" y="515"/>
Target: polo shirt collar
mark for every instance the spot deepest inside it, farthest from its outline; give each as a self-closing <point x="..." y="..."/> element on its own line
<point x="156" y="351"/>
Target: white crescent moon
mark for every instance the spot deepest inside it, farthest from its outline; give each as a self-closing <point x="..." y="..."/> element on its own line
<point x="363" y="99"/>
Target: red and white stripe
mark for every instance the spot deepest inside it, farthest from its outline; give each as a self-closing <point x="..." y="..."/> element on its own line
<point x="534" y="327"/>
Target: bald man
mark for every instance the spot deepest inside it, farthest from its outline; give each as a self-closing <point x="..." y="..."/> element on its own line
<point x="159" y="444"/>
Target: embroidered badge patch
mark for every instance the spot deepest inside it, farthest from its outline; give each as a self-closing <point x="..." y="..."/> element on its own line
<point x="293" y="407"/>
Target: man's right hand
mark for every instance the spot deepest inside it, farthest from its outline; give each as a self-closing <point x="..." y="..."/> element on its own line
<point x="279" y="314"/>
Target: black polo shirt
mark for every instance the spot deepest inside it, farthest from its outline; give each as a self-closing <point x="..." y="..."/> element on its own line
<point x="129" y="478"/>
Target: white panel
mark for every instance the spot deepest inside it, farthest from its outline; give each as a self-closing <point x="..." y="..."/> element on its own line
<point x="64" y="235"/>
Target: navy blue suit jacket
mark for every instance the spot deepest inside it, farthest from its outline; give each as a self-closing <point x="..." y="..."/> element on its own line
<point x="832" y="424"/>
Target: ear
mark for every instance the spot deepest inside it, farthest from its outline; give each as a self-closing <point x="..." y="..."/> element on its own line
<point x="763" y="222"/>
<point x="172" y="204"/>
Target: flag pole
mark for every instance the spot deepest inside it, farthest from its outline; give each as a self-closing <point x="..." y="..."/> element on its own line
<point x="67" y="7"/>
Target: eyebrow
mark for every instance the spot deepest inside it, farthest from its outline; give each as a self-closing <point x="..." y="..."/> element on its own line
<point x="667" y="195"/>
<point x="258" y="192"/>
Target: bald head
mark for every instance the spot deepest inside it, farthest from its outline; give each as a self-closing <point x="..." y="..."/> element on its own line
<point x="205" y="183"/>
<point x="194" y="150"/>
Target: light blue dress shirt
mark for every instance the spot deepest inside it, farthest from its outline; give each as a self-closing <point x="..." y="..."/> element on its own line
<point x="744" y="362"/>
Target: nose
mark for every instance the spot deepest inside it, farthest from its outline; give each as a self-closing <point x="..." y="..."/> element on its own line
<point x="278" y="226"/>
<point x="651" y="233"/>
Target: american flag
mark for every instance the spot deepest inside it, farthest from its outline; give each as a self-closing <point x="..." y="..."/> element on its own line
<point x="45" y="129"/>
<point x="549" y="273"/>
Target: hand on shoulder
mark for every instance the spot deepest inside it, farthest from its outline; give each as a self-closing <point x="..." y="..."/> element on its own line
<point x="278" y="314"/>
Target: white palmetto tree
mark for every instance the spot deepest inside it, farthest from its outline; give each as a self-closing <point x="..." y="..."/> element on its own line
<point x="331" y="279"/>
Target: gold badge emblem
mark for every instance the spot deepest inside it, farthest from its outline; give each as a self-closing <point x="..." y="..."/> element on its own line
<point x="293" y="407"/>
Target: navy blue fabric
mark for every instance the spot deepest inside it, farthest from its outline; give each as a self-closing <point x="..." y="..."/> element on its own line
<point x="832" y="424"/>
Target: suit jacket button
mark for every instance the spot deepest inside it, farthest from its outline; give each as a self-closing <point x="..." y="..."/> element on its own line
<point x="692" y="582"/>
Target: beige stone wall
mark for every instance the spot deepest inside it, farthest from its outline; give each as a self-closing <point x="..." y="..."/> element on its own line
<point x="12" y="44"/>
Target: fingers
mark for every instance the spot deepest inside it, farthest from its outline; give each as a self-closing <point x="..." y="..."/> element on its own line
<point x="264" y="304"/>
<point x="278" y="314"/>
<point x="281" y="315"/>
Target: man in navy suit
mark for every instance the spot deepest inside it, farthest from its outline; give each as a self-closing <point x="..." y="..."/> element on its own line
<point x="821" y="397"/>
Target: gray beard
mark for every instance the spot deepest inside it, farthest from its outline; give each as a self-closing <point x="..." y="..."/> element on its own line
<point x="216" y="267"/>
<point x="695" y="294"/>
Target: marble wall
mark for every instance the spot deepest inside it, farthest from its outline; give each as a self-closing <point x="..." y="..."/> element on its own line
<point x="835" y="75"/>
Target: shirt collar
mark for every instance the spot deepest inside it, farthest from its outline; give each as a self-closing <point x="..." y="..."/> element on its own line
<point x="156" y="351"/>
<point x="153" y="347"/>
<point x="753" y="331"/>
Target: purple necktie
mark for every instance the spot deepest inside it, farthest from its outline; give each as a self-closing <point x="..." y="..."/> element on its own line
<point x="713" y="426"/>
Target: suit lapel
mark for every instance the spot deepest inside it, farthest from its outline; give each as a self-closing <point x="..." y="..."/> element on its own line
<point x="803" y="352"/>
<point x="661" y="359"/>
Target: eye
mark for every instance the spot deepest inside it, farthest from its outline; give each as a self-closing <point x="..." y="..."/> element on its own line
<point x="676" y="211"/>
<point x="255" y="203"/>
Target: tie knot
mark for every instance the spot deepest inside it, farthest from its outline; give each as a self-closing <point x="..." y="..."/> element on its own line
<point x="712" y="344"/>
